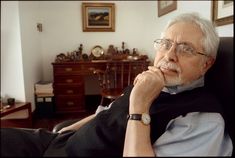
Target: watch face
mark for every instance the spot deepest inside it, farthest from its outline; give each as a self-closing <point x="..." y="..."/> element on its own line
<point x="97" y="51"/>
<point x="146" y="119"/>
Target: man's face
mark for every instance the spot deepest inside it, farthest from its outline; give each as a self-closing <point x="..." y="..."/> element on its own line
<point x="181" y="70"/>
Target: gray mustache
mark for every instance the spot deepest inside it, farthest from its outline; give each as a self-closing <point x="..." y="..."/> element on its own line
<point x="168" y="65"/>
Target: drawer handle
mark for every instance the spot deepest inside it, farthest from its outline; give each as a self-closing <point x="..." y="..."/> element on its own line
<point x="91" y="69"/>
<point x="69" y="80"/>
<point x="68" y="69"/>
<point x="69" y="91"/>
<point x="70" y="103"/>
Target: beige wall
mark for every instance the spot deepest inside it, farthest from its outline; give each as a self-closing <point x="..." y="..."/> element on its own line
<point x="12" y="79"/>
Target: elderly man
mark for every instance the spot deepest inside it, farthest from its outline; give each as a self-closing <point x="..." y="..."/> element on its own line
<point x="167" y="111"/>
<point x="185" y="52"/>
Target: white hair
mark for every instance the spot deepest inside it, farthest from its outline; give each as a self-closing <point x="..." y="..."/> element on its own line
<point x="210" y="41"/>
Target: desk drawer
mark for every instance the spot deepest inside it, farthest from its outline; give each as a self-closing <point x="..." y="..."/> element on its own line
<point x="68" y="90"/>
<point x="67" y="69"/>
<point x="69" y="80"/>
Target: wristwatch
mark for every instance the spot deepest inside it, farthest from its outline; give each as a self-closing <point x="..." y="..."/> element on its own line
<point x="144" y="118"/>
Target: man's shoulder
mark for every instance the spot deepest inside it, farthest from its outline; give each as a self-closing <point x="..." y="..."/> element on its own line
<point x="198" y="120"/>
<point x="201" y="96"/>
<point x="202" y="117"/>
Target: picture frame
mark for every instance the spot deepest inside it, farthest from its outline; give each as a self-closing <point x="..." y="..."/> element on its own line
<point x="98" y="17"/>
<point x="222" y="12"/>
<point x="165" y="7"/>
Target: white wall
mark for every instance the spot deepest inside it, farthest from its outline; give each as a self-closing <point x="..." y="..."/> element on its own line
<point x="12" y="79"/>
<point x="31" y="47"/>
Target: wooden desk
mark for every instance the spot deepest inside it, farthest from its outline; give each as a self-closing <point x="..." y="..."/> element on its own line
<point x="17" y="122"/>
<point x="69" y="86"/>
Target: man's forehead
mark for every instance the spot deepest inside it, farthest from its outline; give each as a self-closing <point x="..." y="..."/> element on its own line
<point x="184" y="32"/>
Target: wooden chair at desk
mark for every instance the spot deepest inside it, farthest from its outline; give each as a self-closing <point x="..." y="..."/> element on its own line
<point x="116" y="77"/>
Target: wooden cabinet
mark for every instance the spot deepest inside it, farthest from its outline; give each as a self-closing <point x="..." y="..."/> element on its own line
<point x="69" y="86"/>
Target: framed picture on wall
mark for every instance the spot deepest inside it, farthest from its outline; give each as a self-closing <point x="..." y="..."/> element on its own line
<point x="222" y="12"/>
<point x="98" y="17"/>
<point x="165" y="7"/>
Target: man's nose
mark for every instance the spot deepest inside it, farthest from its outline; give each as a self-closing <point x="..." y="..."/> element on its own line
<point x="171" y="54"/>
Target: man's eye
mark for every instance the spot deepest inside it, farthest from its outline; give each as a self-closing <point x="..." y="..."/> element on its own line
<point x="187" y="49"/>
<point x="167" y="45"/>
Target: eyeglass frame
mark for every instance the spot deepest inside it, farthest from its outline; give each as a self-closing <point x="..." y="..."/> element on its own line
<point x="183" y="43"/>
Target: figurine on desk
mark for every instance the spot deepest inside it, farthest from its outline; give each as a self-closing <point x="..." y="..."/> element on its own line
<point x="10" y="102"/>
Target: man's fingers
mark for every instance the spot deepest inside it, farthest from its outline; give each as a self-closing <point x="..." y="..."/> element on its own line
<point x="153" y="68"/>
<point x="136" y="78"/>
<point x="156" y="70"/>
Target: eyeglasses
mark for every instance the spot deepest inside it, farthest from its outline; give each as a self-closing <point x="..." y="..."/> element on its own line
<point x="182" y="49"/>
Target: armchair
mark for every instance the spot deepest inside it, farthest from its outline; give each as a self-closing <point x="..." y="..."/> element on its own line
<point x="220" y="81"/>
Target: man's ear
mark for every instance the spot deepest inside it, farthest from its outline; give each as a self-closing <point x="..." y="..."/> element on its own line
<point x="207" y="64"/>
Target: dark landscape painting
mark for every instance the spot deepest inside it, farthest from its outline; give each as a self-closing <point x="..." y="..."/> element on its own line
<point x="98" y="17"/>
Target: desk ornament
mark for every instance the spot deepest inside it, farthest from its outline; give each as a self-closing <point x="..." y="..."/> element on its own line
<point x="97" y="52"/>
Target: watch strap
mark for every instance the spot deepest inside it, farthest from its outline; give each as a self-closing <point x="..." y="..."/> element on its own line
<point x="134" y="117"/>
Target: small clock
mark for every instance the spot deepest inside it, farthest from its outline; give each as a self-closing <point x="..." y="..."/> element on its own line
<point x="97" y="52"/>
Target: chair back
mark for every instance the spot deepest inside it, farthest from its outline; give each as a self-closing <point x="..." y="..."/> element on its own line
<point x="219" y="80"/>
<point x="121" y="74"/>
<point x="118" y="75"/>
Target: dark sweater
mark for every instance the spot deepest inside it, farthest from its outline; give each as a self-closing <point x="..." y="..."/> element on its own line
<point x="104" y="135"/>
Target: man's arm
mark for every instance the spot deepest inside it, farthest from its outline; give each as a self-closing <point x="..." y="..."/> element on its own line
<point x="137" y="141"/>
<point x="195" y="134"/>
<point x="78" y="124"/>
<point x="147" y="87"/>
